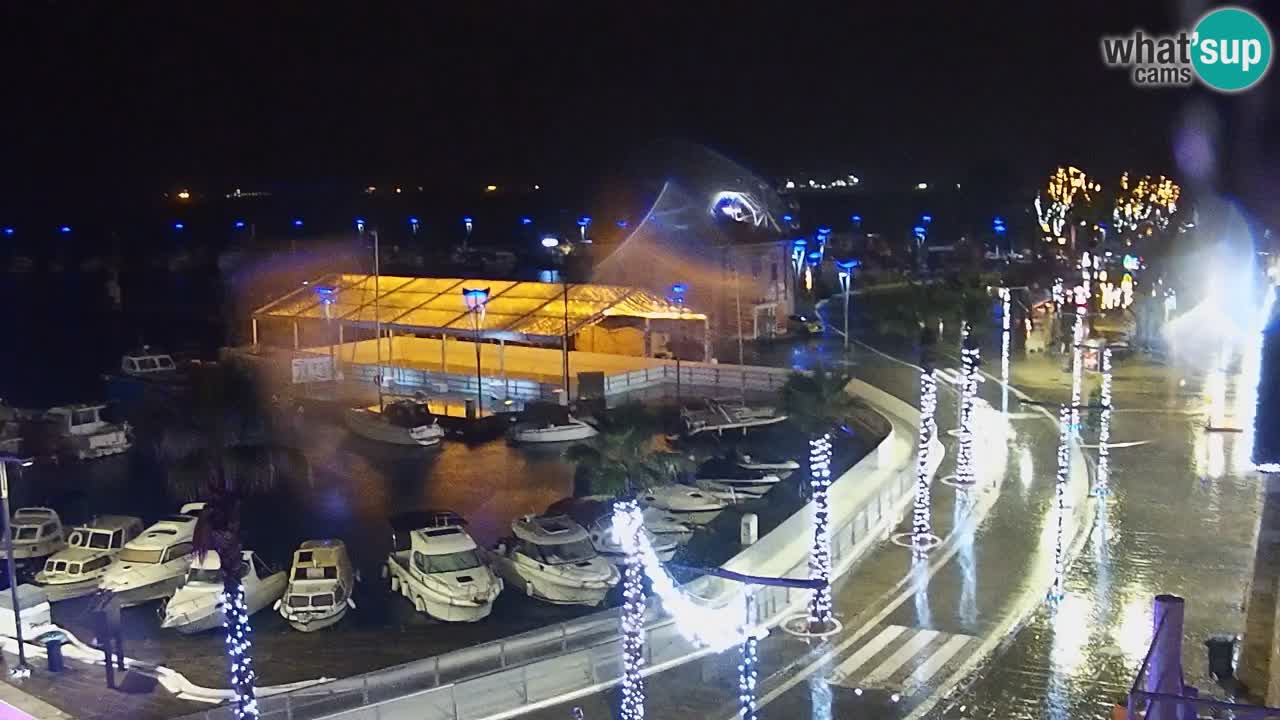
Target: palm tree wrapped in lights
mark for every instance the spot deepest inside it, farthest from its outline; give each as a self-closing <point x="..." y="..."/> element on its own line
<point x="817" y="404"/>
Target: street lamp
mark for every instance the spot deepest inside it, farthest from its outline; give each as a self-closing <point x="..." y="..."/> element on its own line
<point x="23" y="669"/>
<point x="997" y="225"/>
<point x="468" y="223"/>
<point x="845" y="273"/>
<point x="476" y="299"/>
<point x="583" y="222"/>
<point x="797" y="255"/>
<point x="413" y="225"/>
<point x="327" y="298"/>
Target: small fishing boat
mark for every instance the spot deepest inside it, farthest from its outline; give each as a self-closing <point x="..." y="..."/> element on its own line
<point x="321" y="581"/>
<point x="37" y="534"/>
<point x="197" y="605"/>
<point x="437" y="566"/>
<point x="91" y="549"/>
<point x="689" y="504"/>
<point x="597" y="518"/>
<point x="154" y="564"/>
<point x="719" y="415"/>
<point x="781" y="468"/>
<point x="400" y="422"/>
<point x="81" y="432"/>
<point x="547" y="423"/>
<point x="729" y="481"/>
<point x="551" y="558"/>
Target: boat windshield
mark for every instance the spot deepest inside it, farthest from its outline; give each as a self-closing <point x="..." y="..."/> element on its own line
<point x="407" y="414"/>
<point x="203" y="575"/>
<point x="572" y="552"/>
<point x="453" y="562"/>
<point x="25" y="532"/>
<point x="143" y="557"/>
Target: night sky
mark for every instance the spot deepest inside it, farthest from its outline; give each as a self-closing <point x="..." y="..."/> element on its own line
<point x="150" y="95"/>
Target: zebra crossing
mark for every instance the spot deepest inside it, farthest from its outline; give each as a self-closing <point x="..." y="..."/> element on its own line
<point x="898" y="658"/>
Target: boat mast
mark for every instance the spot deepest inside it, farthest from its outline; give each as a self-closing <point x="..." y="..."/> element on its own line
<point x="377" y="317"/>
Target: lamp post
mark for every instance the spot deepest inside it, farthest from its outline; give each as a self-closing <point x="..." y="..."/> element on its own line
<point x="23" y="669"/>
<point x="468" y="223"/>
<point x="327" y="299"/>
<point x="583" y="222"/>
<point x="997" y="225"/>
<point x="475" y="299"/>
<point x="846" y="279"/>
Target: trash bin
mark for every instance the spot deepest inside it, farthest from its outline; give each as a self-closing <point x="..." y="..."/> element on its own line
<point x="1222" y="650"/>
<point x="53" y="643"/>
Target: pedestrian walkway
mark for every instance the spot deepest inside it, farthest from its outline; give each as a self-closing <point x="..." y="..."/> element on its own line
<point x="81" y="691"/>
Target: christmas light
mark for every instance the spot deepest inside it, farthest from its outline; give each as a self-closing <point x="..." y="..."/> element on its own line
<point x="1149" y="200"/>
<point x="632" y="706"/>
<point x="1067" y="188"/>
<point x="969" y="357"/>
<point x="1100" y="487"/>
<point x="714" y="627"/>
<point x="235" y="619"/>
<point x="1065" y="414"/>
<point x="747" y="666"/>
<point x="820" y="612"/>
<point x="921" y="514"/>
<point x="1006" y="301"/>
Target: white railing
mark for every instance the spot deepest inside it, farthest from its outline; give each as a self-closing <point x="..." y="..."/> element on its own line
<point x="557" y="663"/>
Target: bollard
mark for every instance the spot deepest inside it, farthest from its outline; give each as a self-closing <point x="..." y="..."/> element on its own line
<point x="749" y="529"/>
<point x="1164" y="673"/>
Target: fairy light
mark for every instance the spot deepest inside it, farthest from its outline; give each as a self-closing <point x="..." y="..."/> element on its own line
<point x="235" y="619"/>
<point x="921" y="514"/>
<point x="820" y="612"/>
<point x="747" y="675"/>
<point x="1148" y="199"/>
<point x="1067" y="188"/>
<point x="1077" y="340"/>
<point x="1065" y="415"/>
<point x="1101" y="487"/>
<point x="632" y="706"/>
<point x="1006" y="298"/>
<point x="969" y="357"/>
<point x="713" y="627"/>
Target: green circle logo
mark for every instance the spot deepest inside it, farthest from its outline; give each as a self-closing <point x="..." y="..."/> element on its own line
<point x="1231" y="49"/>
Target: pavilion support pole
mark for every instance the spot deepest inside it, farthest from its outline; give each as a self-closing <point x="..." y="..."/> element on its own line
<point x="706" y="340"/>
<point x="341" y="343"/>
<point x="255" y="332"/>
<point x="502" y="367"/>
<point x="648" y="338"/>
<point x="444" y="359"/>
<point x="295" y="335"/>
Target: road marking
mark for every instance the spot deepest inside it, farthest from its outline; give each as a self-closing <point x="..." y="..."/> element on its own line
<point x="935" y="662"/>
<point x="887" y="668"/>
<point x="865" y="653"/>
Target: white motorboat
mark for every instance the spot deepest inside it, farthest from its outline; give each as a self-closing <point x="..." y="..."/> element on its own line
<point x="154" y="564"/>
<point x="730" y="481"/>
<point x="595" y="513"/>
<point x="91" y="548"/>
<point x="547" y="423"/>
<point x="720" y="415"/>
<point x="82" y="433"/>
<point x="321" y="581"/>
<point x="781" y="468"/>
<point x="400" y="422"/>
<point x="196" y="606"/>
<point x="437" y="566"/>
<point x="689" y="504"/>
<point x="551" y="558"/>
<point x="37" y="534"/>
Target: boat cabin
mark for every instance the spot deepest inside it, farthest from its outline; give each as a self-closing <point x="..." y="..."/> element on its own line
<point x="36" y="529"/>
<point x="78" y="419"/>
<point x="408" y="414"/>
<point x="145" y="362"/>
<point x="321" y="575"/>
<point x="108" y="532"/>
<point x="552" y="539"/>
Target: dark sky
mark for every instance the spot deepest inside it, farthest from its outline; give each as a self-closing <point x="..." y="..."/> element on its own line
<point x="150" y="93"/>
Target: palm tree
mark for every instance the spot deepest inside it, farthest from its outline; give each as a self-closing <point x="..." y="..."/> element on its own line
<point x="816" y="403"/>
<point x="624" y="455"/>
<point x="221" y="457"/>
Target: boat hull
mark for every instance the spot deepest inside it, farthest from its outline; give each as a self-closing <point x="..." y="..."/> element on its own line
<point x="316" y="622"/>
<point x="554" y="434"/>
<point x="371" y="427"/>
<point x="156" y="590"/>
<point x="57" y="592"/>
<point x="450" y="612"/>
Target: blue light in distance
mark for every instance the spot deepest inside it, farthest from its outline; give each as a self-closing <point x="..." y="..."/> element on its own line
<point x="623" y="223"/>
<point x="824" y="230"/>
<point x="847" y="265"/>
<point x="787" y="218"/>
<point x="584" y="221"/>
<point x="855" y="218"/>
<point x="297" y="222"/>
<point x="679" y="289"/>
<point x="179" y="226"/>
<point x="467" y="220"/>
<point x="239" y="224"/>
<point x="550" y="242"/>
<point x="413" y="221"/>
<point x="926" y="218"/>
<point x="526" y="220"/>
<point x="919" y="229"/>
<point x="800" y="243"/>
<point x="64" y="229"/>
<point x="815" y="258"/>
<point x="8" y="231"/>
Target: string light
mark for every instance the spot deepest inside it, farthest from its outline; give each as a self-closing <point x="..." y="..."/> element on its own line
<point x="1006" y="298"/>
<point x="632" y="707"/>
<point x="820" y="612"/>
<point x="1101" y="488"/>
<point x="747" y="677"/>
<point x="1056" y="592"/>
<point x="713" y="627"/>
<point x="969" y="358"/>
<point x="1153" y="200"/>
<point x="235" y="618"/>
<point x="1067" y="188"/>
<point x="921" y="514"/>
<point x="1077" y="341"/>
